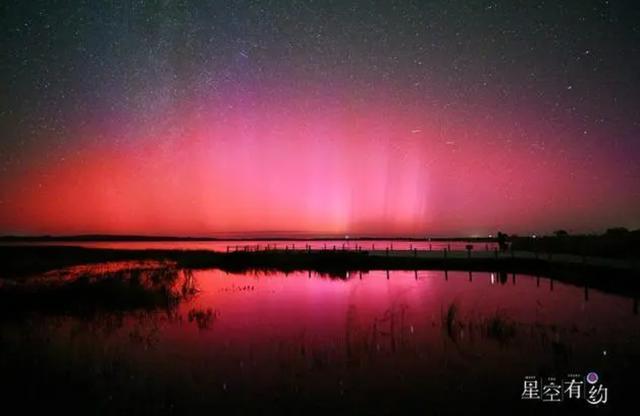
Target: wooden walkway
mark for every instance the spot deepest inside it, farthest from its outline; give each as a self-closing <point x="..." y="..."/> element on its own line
<point x="458" y="255"/>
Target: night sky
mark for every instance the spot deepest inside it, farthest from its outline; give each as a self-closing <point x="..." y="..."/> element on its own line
<point x="319" y="117"/>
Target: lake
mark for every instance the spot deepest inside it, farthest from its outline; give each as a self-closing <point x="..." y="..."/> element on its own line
<point x="371" y="343"/>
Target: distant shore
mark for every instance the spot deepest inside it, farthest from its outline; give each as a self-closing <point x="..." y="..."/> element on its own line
<point x="108" y="237"/>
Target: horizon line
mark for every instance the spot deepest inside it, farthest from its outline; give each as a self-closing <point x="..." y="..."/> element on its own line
<point x="249" y="237"/>
<point x="264" y="237"/>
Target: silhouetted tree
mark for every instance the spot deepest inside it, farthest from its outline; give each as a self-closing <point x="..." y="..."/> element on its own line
<point x="560" y="233"/>
<point x="617" y="232"/>
<point x="502" y="241"/>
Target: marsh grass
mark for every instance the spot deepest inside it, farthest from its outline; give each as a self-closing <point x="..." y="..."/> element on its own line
<point x="88" y="292"/>
<point x="203" y="318"/>
<point x="497" y="326"/>
<point x="451" y="319"/>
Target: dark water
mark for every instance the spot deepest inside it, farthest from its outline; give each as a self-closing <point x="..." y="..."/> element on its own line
<point x="374" y="343"/>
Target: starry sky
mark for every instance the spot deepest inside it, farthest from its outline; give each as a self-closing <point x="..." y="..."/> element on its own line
<point x="443" y="117"/>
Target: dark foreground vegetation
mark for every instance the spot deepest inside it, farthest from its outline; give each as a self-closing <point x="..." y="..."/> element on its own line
<point x="90" y="293"/>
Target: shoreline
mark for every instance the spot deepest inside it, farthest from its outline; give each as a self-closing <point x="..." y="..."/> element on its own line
<point x="609" y="275"/>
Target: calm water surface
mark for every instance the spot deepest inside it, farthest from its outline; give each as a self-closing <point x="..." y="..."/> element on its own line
<point x="376" y="342"/>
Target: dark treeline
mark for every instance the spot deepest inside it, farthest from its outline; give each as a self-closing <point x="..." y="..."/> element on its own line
<point x="615" y="243"/>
